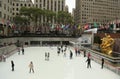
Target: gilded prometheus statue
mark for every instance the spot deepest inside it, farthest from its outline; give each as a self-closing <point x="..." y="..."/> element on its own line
<point x="107" y="44"/>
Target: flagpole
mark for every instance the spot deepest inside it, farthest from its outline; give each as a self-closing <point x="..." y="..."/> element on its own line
<point x="92" y="39"/>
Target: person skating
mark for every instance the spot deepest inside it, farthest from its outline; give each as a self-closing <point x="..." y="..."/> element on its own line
<point x="88" y="62"/>
<point x="48" y="56"/>
<point x="31" y="67"/>
<point x="76" y="51"/>
<point x="88" y="55"/>
<point x="45" y="56"/>
<point x="84" y="53"/>
<point x="23" y="51"/>
<point x="18" y="51"/>
<point x="58" y="52"/>
<point x="102" y="64"/>
<point x="4" y="58"/>
<point x="79" y="52"/>
<point x="12" y="65"/>
<point x="71" y="54"/>
<point x="64" y="53"/>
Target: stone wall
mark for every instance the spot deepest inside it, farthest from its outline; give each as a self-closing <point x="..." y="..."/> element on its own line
<point x="109" y="61"/>
<point x="7" y="51"/>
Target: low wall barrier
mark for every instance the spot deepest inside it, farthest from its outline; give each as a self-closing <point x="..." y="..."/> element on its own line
<point x="109" y="61"/>
<point x="7" y="51"/>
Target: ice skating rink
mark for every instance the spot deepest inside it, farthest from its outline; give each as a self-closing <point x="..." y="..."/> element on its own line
<point x="58" y="67"/>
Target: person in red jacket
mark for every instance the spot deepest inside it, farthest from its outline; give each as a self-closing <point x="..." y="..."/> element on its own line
<point x="89" y="55"/>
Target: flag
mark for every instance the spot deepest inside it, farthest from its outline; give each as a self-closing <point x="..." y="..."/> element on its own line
<point x="66" y="27"/>
<point x="62" y="26"/>
<point x="58" y="28"/>
<point x="111" y="26"/>
<point x="89" y="26"/>
<point x="95" y="25"/>
<point x="13" y="27"/>
<point x="8" y="23"/>
<point x="94" y="30"/>
<point x="3" y="21"/>
<point x="86" y="27"/>
<point x="53" y="26"/>
<point x="79" y="27"/>
<point x="74" y="27"/>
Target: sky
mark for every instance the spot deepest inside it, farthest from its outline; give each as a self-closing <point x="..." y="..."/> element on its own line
<point x="71" y="4"/>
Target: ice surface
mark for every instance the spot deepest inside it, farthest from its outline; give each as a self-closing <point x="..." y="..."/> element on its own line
<point x="58" y="67"/>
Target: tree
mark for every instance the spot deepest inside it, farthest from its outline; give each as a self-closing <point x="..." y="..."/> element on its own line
<point x="64" y="17"/>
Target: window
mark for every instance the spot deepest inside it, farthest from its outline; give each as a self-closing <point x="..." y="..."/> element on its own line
<point x="0" y="3"/>
<point x="17" y="4"/>
<point x="8" y="9"/>
<point x="55" y="5"/>
<point x="44" y="3"/>
<point x="13" y="9"/>
<point x="21" y="5"/>
<point x="16" y="9"/>
<point x="5" y="6"/>
<point x="36" y="6"/>
<point x="13" y="4"/>
<point x="29" y="5"/>
<point x="5" y="16"/>
<point x="0" y="14"/>
<point x="13" y="13"/>
<point x="16" y="13"/>
<point x="25" y="5"/>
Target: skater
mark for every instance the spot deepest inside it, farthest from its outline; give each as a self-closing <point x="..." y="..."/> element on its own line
<point x="79" y="52"/>
<point x="45" y="56"/>
<point x="18" y="51"/>
<point x="76" y="51"/>
<point x="12" y="65"/>
<point x="84" y="53"/>
<point x="64" y="54"/>
<point x="23" y="51"/>
<point x="48" y="56"/>
<point x="31" y="67"/>
<point x="102" y="63"/>
<point x="4" y="58"/>
<point x="88" y="62"/>
<point x="58" y="52"/>
<point x="65" y="49"/>
<point x="71" y="54"/>
<point x="88" y="55"/>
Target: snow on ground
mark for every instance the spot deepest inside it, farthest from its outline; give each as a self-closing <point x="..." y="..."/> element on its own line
<point x="58" y="67"/>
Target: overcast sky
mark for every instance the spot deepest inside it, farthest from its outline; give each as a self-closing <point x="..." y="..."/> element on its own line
<point x="71" y="4"/>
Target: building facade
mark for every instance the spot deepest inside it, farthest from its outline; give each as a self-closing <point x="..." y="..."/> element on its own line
<point x="99" y="11"/>
<point x="10" y="8"/>
<point x="5" y="10"/>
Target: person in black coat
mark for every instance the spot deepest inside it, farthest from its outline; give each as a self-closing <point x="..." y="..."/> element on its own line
<point x="84" y="53"/>
<point x="102" y="63"/>
<point x="12" y="65"/>
<point x="23" y="51"/>
<point x="48" y="56"/>
<point x="71" y="54"/>
<point x="45" y="56"/>
<point x="88" y="62"/>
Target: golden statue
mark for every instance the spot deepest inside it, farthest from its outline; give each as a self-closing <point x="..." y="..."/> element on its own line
<point x="107" y="44"/>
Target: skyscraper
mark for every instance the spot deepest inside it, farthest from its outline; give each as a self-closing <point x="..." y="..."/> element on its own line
<point x="99" y="11"/>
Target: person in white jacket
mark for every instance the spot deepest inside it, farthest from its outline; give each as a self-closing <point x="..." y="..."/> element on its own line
<point x="31" y="67"/>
